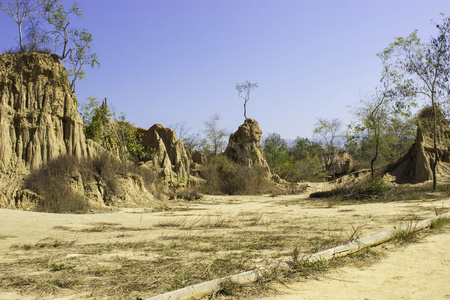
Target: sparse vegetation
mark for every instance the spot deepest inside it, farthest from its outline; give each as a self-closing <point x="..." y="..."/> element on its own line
<point x="439" y="222"/>
<point x="224" y="176"/>
<point x="405" y="233"/>
<point x="189" y="248"/>
<point x="56" y="182"/>
<point x="381" y="191"/>
<point x="214" y="141"/>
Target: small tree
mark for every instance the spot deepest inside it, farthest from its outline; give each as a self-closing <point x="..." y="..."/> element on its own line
<point x="214" y="141"/>
<point x="303" y="148"/>
<point x="244" y="90"/>
<point x="422" y="71"/>
<point x="72" y="43"/>
<point x="20" y="11"/>
<point x="183" y="131"/>
<point x="328" y="131"/>
<point x="48" y="22"/>
<point x="95" y="116"/>
<point x="113" y="132"/>
<point x="275" y="152"/>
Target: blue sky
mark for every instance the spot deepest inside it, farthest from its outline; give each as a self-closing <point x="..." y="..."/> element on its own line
<point x="169" y="61"/>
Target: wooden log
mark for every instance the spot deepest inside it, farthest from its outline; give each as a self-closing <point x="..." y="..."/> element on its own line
<point x="200" y="290"/>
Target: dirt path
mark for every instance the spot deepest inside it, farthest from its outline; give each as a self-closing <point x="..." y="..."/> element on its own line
<point x="417" y="271"/>
<point x="140" y="252"/>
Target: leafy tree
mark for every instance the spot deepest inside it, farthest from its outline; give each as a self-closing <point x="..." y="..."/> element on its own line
<point x="244" y="90"/>
<point x="48" y="26"/>
<point x="377" y="127"/>
<point x="112" y="132"/>
<point x="304" y="148"/>
<point x="214" y="141"/>
<point x="275" y="152"/>
<point x="328" y="131"/>
<point x="73" y="43"/>
<point x="94" y="116"/>
<point x="20" y="11"/>
<point x="292" y="162"/>
<point x="421" y="71"/>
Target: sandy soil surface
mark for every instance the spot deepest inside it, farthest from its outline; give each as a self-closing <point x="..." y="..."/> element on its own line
<point x="141" y="252"/>
<point x="417" y="271"/>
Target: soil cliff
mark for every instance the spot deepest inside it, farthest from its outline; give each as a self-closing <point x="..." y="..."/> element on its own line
<point x="416" y="165"/>
<point x="39" y="119"/>
<point x="40" y="123"/>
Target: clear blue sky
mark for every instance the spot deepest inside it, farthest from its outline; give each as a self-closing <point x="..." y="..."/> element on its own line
<point x="168" y="61"/>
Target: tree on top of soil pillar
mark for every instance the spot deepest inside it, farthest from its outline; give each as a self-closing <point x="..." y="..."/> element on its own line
<point x="244" y="90"/>
<point x="47" y="25"/>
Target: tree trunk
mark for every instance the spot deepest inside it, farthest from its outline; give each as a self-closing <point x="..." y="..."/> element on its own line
<point x="436" y="153"/>
<point x="245" y="110"/>
<point x="372" y="162"/>
<point x="20" y="37"/>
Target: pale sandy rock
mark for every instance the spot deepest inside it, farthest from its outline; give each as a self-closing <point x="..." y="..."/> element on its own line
<point x="11" y="193"/>
<point x="130" y="190"/>
<point x="416" y="165"/>
<point x="337" y="164"/>
<point x="244" y="145"/>
<point x="196" y="157"/>
<point x="169" y="155"/>
<point x="39" y="120"/>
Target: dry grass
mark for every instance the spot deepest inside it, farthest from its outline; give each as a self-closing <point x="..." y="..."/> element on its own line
<point x="191" y="245"/>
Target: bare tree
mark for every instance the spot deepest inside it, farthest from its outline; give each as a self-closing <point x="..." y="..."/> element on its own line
<point x="214" y="140"/>
<point x="183" y="131"/>
<point x="20" y="11"/>
<point x="328" y="131"/>
<point x="244" y="90"/>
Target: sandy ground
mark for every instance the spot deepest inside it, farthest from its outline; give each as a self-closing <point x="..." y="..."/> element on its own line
<point x="417" y="271"/>
<point x="411" y="272"/>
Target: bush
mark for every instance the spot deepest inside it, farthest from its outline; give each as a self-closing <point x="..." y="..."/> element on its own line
<point x="227" y="177"/>
<point x="56" y="182"/>
<point x="379" y="187"/>
<point x="62" y="199"/>
<point x="52" y="183"/>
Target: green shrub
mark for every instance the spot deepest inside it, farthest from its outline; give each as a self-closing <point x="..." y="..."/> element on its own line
<point x="439" y="222"/>
<point x="378" y="187"/>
